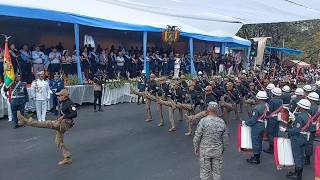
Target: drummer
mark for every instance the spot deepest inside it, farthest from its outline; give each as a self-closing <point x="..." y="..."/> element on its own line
<point x="257" y="124"/>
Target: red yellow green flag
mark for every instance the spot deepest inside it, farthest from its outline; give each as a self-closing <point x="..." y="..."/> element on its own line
<point x="7" y="67"/>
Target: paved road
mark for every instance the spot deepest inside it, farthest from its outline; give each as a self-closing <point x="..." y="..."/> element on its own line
<point x="118" y="145"/>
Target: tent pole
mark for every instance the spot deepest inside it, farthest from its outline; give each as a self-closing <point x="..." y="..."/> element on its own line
<point x="192" y="69"/>
<point x="76" y="40"/>
<point x="145" y="63"/>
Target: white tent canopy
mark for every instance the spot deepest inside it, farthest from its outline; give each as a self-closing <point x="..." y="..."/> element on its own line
<point x="201" y="17"/>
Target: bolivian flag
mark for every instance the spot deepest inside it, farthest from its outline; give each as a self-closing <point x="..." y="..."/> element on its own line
<point x="7" y="67"/>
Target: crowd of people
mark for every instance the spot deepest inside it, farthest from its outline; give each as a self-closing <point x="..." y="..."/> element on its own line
<point x="115" y="62"/>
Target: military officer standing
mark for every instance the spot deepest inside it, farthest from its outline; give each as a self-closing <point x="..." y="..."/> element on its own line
<point x="299" y="93"/>
<point x="257" y="124"/>
<point x="273" y="124"/>
<point x="19" y="97"/>
<point x="61" y="125"/>
<point x="56" y="85"/>
<point x="210" y="142"/>
<point x="298" y="138"/>
<point x="162" y="90"/>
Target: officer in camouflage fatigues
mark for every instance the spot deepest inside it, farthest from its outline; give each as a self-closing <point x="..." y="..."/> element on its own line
<point x="210" y="142"/>
<point x="63" y="124"/>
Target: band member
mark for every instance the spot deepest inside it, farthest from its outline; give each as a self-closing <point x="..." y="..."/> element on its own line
<point x="286" y="95"/>
<point x="299" y="93"/>
<point x="298" y="138"/>
<point x="61" y="125"/>
<point x="273" y="124"/>
<point x="269" y="87"/>
<point x="313" y="97"/>
<point x="257" y="124"/>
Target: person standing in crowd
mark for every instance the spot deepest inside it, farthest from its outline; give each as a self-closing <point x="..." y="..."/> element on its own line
<point x="97" y="90"/>
<point x="40" y="92"/>
<point x="5" y="94"/>
<point x="141" y="86"/>
<point x="85" y="65"/>
<point x="120" y="64"/>
<point x="210" y="143"/>
<point x="94" y="60"/>
<point x="55" y="60"/>
<point x="19" y="97"/>
<point x="14" y="54"/>
<point x="37" y="60"/>
<point x="299" y="93"/>
<point x="61" y="125"/>
<point x="56" y="85"/>
<point x="74" y="63"/>
<point x="298" y="138"/>
<point x="1" y="64"/>
<point x="177" y="62"/>
<point x="66" y="61"/>
<point x="257" y="123"/>
<point x="25" y="63"/>
<point x="103" y="60"/>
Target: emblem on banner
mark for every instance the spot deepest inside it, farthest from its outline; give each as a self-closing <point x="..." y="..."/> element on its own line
<point x="171" y="34"/>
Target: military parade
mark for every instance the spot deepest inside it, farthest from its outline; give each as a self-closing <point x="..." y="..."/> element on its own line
<point x="263" y="101"/>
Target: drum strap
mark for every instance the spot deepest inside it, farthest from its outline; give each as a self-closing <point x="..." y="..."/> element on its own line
<point x="309" y="122"/>
<point x="275" y="112"/>
<point x="264" y="115"/>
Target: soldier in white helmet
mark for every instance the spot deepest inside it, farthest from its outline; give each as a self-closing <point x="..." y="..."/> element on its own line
<point x="299" y="93"/>
<point x="273" y="124"/>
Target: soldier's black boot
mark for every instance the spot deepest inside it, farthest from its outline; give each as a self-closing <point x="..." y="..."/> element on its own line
<point x="291" y="174"/>
<point x="307" y="161"/>
<point x="297" y="174"/>
<point x="255" y="159"/>
<point x="269" y="150"/>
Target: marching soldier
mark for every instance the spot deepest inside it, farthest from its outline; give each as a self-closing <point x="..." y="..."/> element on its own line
<point x="250" y="98"/>
<point x="299" y="93"/>
<point x="313" y="97"/>
<point x="141" y="86"/>
<point x="298" y="138"/>
<point x="210" y="142"/>
<point x="61" y="125"/>
<point x="269" y="87"/>
<point x="208" y="97"/>
<point x="257" y="124"/>
<point x="152" y="90"/>
<point x="273" y="124"/>
<point x="19" y="97"/>
<point x="229" y="101"/>
<point x="286" y="95"/>
<point x="162" y="91"/>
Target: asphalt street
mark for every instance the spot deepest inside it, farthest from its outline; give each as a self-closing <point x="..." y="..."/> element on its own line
<point x="118" y="145"/>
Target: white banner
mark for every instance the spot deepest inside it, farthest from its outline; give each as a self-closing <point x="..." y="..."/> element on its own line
<point x="260" y="51"/>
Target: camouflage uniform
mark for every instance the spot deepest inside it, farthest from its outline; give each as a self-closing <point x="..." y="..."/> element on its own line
<point x="62" y="125"/>
<point x="211" y="140"/>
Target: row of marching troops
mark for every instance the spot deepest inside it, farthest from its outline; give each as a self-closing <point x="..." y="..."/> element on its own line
<point x="274" y="110"/>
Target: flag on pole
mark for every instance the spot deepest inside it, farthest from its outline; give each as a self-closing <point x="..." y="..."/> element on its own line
<point x="7" y="66"/>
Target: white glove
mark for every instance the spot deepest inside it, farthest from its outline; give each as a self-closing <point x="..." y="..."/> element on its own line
<point x="282" y="129"/>
<point x="243" y="123"/>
